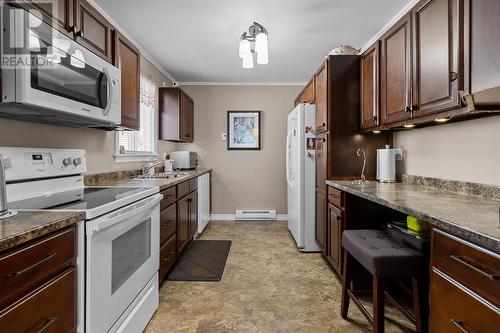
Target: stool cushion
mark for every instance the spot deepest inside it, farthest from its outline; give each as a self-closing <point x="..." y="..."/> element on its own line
<point x="381" y="255"/>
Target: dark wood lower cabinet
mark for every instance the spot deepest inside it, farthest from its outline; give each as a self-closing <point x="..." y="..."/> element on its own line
<point x="50" y="308"/>
<point x="182" y="224"/>
<point x="334" y="251"/>
<point x="320" y="234"/>
<point x="38" y="285"/>
<point x="178" y="222"/>
<point x="193" y="214"/>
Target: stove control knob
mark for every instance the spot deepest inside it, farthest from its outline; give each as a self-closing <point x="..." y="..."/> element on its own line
<point x="77" y="161"/>
<point x="67" y="161"/>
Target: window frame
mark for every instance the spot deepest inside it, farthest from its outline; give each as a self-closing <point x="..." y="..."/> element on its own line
<point x="140" y="156"/>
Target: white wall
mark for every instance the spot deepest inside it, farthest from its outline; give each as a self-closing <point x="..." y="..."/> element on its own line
<point x="465" y="151"/>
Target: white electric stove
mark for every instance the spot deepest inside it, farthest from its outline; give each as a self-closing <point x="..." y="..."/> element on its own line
<point x="118" y="243"/>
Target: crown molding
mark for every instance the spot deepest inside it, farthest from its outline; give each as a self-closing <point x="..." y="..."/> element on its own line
<point x="241" y="83"/>
<point x="133" y="41"/>
<point x="389" y="24"/>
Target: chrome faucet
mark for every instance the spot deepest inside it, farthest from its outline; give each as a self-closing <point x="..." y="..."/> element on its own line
<point x="358" y="152"/>
<point x="150" y="164"/>
<point x="4" y="208"/>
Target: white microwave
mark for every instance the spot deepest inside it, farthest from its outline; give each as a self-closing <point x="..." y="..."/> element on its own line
<point x="48" y="77"/>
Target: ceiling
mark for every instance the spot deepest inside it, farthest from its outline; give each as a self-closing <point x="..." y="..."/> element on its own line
<point x="197" y="40"/>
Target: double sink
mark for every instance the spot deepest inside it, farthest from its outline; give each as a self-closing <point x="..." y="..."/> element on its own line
<point x="175" y="175"/>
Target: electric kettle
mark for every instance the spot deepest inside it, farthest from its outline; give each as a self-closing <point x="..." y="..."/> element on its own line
<point x="386" y="164"/>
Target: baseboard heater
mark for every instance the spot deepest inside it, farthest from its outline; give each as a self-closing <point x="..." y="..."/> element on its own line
<point x="256" y="214"/>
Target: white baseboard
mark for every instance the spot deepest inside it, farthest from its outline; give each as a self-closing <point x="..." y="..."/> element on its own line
<point x="232" y="217"/>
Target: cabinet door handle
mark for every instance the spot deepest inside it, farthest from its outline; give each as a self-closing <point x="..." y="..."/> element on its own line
<point x="462" y="261"/>
<point x="46" y="325"/>
<point x="338" y="218"/>
<point x="375" y="118"/>
<point x="35" y="265"/>
<point x="79" y="33"/>
<point x="407" y="108"/>
<point x="453" y="76"/>
<point x="459" y="325"/>
<point x="165" y="224"/>
<point x="323" y="125"/>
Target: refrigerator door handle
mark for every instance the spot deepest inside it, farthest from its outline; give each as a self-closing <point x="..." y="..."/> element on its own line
<point x="288" y="136"/>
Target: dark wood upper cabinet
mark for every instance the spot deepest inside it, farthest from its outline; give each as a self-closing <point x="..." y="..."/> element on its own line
<point x="58" y="13"/>
<point x="321" y="97"/>
<point x="370" y="88"/>
<point x="437" y="63"/>
<point x="396" y="72"/>
<point x="176" y="115"/>
<point x="92" y="30"/>
<point x="128" y="59"/>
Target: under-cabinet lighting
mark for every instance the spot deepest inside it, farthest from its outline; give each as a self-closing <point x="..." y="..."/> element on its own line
<point x="442" y="120"/>
<point x="377" y="131"/>
<point x="409" y="125"/>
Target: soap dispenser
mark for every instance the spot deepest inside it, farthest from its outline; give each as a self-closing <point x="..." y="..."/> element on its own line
<point x="386" y="163"/>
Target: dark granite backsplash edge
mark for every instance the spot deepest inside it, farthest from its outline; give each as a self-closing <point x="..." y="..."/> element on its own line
<point x="477" y="189"/>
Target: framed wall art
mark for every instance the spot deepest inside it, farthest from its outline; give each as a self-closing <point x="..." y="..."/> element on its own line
<point x="243" y="128"/>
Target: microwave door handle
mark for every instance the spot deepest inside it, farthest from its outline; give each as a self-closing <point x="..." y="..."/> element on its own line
<point x="124" y="214"/>
<point x="110" y="92"/>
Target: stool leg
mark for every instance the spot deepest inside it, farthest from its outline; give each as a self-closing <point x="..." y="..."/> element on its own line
<point x="346" y="281"/>
<point x="417" y="305"/>
<point x="378" y="305"/>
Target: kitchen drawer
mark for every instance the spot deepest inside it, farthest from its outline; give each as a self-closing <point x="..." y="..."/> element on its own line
<point x="183" y="189"/>
<point x="168" y="256"/>
<point x="193" y="184"/>
<point x="456" y="309"/>
<point x="49" y="309"/>
<point x="168" y="223"/>
<point x="169" y="197"/>
<point x="24" y="269"/>
<point x="335" y="197"/>
<point x="475" y="268"/>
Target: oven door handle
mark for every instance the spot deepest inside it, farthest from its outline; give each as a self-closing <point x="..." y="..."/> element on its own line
<point x="123" y="214"/>
<point x="110" y="90"/>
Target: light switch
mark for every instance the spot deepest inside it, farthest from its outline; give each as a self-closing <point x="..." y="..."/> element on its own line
<point x="223" y="136"/>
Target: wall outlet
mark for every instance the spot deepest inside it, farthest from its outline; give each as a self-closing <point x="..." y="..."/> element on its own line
<point x="223" y="136"/>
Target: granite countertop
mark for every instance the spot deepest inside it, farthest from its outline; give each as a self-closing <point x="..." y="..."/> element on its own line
<point x="28" y="225"/>
<point x="162" y="183"/>
<point x="469" y="217"/>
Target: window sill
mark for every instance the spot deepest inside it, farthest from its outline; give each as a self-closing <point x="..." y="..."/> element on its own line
<point x="134" y="157"/>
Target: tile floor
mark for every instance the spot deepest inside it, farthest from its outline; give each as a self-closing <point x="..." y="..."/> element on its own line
<point x="268" y="286"/>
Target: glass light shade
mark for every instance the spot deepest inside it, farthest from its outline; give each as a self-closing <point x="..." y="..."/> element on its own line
<point x="261" y="42"/>
<point x="244" y="48"/>
<point x="77" y="59"/>
<point x="248" y="61"/>
<point x="33" y="42"/>
<point x="262" y="57"/>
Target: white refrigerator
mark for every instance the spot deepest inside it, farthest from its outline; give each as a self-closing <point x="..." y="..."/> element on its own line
<point x="301" y="176"/>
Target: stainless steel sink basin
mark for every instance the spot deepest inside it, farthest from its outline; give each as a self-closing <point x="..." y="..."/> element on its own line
<point x="164" y="175"/>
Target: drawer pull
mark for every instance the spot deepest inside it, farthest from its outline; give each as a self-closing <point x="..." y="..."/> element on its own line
<point x="35" y="265"/>
<point x="474" y="268"/>
<point x="460" y="326"/>
<point x="47" y="323"/>
<point x="165" y="224"/>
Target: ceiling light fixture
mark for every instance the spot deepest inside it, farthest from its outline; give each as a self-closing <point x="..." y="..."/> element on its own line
<point x="258" y="35"/>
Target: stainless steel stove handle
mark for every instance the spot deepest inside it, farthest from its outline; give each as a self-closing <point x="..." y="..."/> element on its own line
<point x="125" y="213"/>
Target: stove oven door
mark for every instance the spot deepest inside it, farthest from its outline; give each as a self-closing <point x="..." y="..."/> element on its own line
<point x="122" y="256"/>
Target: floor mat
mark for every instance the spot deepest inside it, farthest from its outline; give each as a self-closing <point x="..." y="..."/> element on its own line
<point x="203" y="260"/>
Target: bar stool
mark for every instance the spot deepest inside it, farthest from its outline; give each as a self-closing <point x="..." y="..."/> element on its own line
<point x="384" y="258"/>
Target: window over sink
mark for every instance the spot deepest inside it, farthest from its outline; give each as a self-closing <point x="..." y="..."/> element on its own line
<point x="140" y="145"/>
